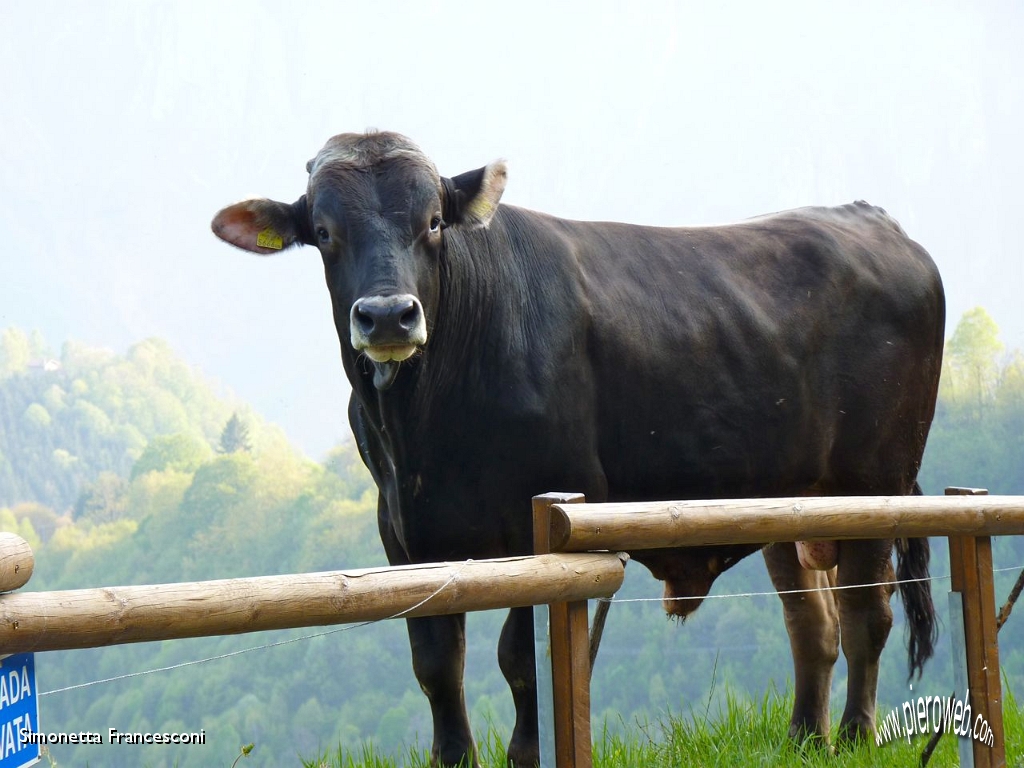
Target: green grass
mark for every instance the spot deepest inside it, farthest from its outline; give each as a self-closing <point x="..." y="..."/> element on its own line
<point x="743" y="733"/>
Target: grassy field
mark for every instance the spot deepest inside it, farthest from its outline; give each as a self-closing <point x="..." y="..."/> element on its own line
<point x="746" y="733"/>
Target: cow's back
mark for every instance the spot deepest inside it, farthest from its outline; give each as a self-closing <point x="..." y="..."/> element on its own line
<point x="793" y="352"/>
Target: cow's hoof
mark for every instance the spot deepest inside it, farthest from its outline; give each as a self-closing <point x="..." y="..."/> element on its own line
<point x="453" y="758"/>
<point x="855" y="731"/>
<point x="810" y="741"/>
<point x="523" y="755"/>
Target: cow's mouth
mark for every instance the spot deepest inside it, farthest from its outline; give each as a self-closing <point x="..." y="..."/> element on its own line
<point x="386" y="360"/>
<point x="386" y="353"/>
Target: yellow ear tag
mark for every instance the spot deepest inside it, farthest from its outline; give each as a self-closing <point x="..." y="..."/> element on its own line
<point x="481" y="207"/>
<point x="268" y="238"/>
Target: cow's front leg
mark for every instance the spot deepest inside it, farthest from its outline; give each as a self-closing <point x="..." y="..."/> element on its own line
<point x="438" y="659"/>
<point x="516" y="659"/>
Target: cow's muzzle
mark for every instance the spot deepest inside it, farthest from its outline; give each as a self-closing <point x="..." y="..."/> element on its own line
<point x="388" y="328"/>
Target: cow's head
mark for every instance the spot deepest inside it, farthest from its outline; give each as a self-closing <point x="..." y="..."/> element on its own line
<point x="690" y="572"/>
<point x="377" y="209"/>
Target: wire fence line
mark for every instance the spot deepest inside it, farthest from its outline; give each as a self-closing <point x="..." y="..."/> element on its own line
<point x="451" y="580"/>
<point x="769" y="593"/>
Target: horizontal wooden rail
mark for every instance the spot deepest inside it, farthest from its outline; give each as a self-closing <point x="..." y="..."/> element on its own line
<point x="652" y="525"/>
<point x="87" y="618"/>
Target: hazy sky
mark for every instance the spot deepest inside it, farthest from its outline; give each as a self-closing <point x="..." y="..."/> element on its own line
<point x="124" y="126"/>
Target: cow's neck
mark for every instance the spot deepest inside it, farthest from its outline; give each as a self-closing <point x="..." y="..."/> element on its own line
<point x="445" y="384"/>
<point x="388" y="410"/>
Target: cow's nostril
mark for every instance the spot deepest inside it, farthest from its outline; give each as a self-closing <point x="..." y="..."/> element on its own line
<point x="364" y="320"/>
<point x="410" y="317"/>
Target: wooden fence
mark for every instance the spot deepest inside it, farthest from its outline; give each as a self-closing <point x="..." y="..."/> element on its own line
<point x="575" y="545"/>
<point x="88" y="618"/>
<point x="969" y="517"/>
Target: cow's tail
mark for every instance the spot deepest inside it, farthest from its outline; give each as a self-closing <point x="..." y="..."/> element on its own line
<point x="915" y="588"/>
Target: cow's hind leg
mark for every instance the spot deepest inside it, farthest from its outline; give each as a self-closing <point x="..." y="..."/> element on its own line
<point x="517" y="661"/>
<point x="866" y="618"/>
<point x="438" y="659"/>
<point x="812" y="622"/>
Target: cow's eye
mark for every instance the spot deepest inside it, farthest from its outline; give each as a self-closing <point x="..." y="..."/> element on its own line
<point x="436" y="223"/>
<point x="323" y="235"/>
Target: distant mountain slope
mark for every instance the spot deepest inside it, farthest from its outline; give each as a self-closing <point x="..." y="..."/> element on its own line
<point x="66" y="419"/>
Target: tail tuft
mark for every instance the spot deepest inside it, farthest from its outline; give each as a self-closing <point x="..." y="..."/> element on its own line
<point x="912" y="556"/>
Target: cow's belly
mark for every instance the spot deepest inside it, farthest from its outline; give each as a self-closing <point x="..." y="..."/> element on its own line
<point x="682" y="453"/>
<point x="477" y="505"/>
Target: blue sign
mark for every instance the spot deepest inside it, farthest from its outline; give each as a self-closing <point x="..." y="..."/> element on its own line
<point x="19" y="711"/>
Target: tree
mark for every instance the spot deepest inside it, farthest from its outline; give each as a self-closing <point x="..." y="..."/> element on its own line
<point x="1009" y="404"/>
<point x="104" y="500"/>
<point x="235" y="436"/>
<point x="15" y="351"/>
<point x="344" y="462"/>
<point x="38" y="416"/>
<point x="181" y="452"/>
<point x="43" y="519"/>
<point x="1010" y="395"/>
<point x="973" y="368"/>
<point x="977" y="437"/>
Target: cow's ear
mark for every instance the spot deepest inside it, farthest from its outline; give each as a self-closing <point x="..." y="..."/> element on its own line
<point x="470" y="199"/>
<point x="263" y="226"/>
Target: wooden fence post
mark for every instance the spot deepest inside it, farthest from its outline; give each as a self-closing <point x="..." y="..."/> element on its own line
<point x="570" y="653"/>
<point x="970" y="559"/>
<point x="16" y="562"/>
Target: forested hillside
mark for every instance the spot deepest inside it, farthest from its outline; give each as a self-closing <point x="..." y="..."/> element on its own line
<point x="977" y="437"/>
<point x="66" y="419"/>
<point x="129" y="469"/>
